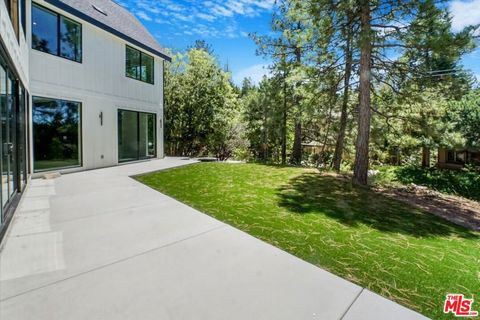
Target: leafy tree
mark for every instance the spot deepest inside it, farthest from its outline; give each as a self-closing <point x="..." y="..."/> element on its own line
<point x="466" y="116"/>
<point x="200" y="104"/>
<point x="288" y="47"/>
<point x="263" y="120"/>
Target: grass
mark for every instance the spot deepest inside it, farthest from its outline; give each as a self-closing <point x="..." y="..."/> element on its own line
<point x="465" y="183"/>
<point x="388" y="247"/>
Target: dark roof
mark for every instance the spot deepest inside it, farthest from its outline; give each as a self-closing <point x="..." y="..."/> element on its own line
<point x="114" y="19"/>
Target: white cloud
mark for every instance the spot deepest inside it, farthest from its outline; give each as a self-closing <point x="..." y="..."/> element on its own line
<point x="255" y="72"/>
<point x="206" y="18"/>
<point x="464" y="13"/>
<point x="142" y="15"/>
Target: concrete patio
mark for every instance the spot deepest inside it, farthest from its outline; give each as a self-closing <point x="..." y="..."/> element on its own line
<point x="99" y="245"/>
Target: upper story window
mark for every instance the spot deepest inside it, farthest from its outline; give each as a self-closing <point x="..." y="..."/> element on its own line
<point x="139" y="65"/>
<point x="16" y="11"/>
<point x="55" y="34"/>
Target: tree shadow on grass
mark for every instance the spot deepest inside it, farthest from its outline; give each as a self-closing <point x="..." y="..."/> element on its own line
<point x="351" y="205"/>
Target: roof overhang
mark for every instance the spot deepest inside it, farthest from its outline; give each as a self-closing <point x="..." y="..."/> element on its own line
<point x="109" y="29"/>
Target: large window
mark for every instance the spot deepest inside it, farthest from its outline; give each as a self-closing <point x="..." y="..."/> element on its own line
<point x="56" y="133"/>
<point x="139" y="65"/>
<point x="56" y="34"/>
<point x="136" y="135"/>
<point x="16" y="11"/>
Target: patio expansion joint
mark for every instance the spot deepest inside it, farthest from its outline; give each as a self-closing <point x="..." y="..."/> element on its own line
<point x="117" y="261"/>
<point x="351" y="304"/>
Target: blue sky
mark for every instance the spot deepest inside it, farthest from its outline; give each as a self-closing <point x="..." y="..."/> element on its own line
<point x="225" y="25"/>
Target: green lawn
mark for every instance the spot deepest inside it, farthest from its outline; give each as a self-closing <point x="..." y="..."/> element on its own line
<point x="399" y="252"/>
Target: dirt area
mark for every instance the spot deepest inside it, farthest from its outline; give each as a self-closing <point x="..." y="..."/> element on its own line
<point x="461" y="211"/>
<point x="458" y="210"/>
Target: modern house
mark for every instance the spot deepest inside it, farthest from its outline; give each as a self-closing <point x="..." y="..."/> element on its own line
<point x="81" y="87"/>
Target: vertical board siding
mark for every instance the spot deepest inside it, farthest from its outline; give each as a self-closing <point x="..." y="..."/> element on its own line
<point x="99" y="82"/>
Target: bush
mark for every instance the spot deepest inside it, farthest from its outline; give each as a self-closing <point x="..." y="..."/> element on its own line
<point x="465" y="183"/>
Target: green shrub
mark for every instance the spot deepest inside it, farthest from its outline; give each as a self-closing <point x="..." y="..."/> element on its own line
<point x="465" y="182"/>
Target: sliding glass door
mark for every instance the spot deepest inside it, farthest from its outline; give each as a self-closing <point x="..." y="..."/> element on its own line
<point x="7" y="135"/>
<point x="136" y="135"/>
<point x="4" y="134"/>
<point x="13" y="162"/>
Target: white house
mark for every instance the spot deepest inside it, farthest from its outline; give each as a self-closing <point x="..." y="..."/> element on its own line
<point x="81" y="87"/>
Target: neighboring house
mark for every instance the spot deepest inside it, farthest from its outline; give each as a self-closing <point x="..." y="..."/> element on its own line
<point x="457" y="159"/>
<point x="313" y="147"/>
<point x="81" y="87"/>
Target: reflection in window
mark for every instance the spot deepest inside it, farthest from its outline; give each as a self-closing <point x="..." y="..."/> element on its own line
<point x="136" y="135"/>
<point x="55" y="34"/>
<point x="146" y="135"/>
<point x="44" y="30"/>
<point x="139" y="65"/>
<point x="70" y="39"/>
<point x="127" y="136"/>
<point x="147" y="69"/>
<point x="56" y="133"/>
<point x="133" y="63"/>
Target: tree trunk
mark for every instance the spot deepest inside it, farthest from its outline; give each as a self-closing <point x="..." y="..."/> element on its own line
<point x="337" y="158"/>
<point x="297" y="143"/>
<point x="333" y="102"/>
<point x="297" y="140"/>
<point x="284" y="122"/>
<point x="425" y="157"/>
<point x="360" y="173"/>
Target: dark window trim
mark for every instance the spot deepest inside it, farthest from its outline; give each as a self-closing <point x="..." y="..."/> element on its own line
<point x="138" y="135"/>
<point x="59" y="42"/>
<point x="80" y="137"/>
<point x="93" y="21"/>
<point x="139" y="75"/>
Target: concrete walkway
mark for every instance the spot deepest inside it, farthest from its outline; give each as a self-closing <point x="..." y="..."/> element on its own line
<point x="99" y="245"/>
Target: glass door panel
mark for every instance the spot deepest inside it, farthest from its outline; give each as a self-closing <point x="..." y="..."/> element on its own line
<point x="21" y="137"/>
<point x="3" y="103"/>
<point x="127" y="135"/>
<point x="10" y="147"/>
<point x="4" y="133"/>
<point x="147" y="135"/>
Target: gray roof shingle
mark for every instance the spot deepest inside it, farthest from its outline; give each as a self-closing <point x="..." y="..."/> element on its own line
<point x="116" y="20"/>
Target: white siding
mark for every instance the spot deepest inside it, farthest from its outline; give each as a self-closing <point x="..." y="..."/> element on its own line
<point x="99" y="82"/>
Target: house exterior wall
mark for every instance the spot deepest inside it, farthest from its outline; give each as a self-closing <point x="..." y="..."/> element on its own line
<point x="16" y="49"/>
<point x="472" y="157"/>
<point x="442" y="156"/>
<point x="100" y="84"/>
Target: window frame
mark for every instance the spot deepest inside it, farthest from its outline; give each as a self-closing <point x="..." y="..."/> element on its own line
<point x="58" y="27"/>
<point x="139" y="74"/>
<point x="80" y="135"/>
